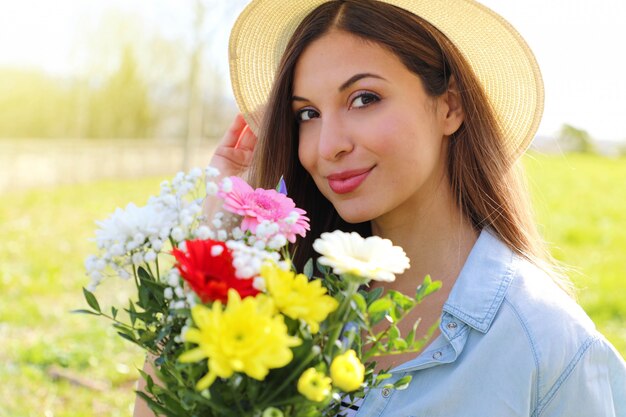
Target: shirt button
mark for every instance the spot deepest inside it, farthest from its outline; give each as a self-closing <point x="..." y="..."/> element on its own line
<point x="386" y="392"/>
<point x="437" y="355"/>
<point x="451" y="326"/>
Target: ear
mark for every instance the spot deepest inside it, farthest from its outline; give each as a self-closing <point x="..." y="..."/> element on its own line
<point x="454" y="114"/>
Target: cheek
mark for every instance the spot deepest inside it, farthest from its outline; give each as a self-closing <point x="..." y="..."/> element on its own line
<point x="306" y="154"/>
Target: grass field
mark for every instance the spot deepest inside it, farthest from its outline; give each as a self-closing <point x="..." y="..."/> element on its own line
<point x="53" y="363"/>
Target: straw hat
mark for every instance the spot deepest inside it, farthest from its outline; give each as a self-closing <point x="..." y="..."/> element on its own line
<point x="500" y="58"/>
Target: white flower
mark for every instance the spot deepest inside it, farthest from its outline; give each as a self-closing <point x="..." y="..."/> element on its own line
<point x="96" y="276"/>
<point x="259" y="284"/>
<point x="178" y="178"/>
<point x="168" y="293"/>
<point x="128" y="228"/>
<point x="203" y="232"/>
<point x="227" y="185"/>
<point x="137" y="258"/>
<point x="211" y="188"/>
<point x="173" y="279"/>
<point x="150" y="256"/>
<point x="292" y="218"/>
<point x="195" y="173"/>
<point x="123" y="273"/>
<point x="179" y="292"/>
<point x="177" y="234"/>
<point x="237" y="233"/>
<point x="247" y="260"/>
<point x="157" y="244"/>
<point x="211" y="171"/>
<point x="277" y="242"/>
<point x="371" y="258"/>
<point x="216" y="250"/>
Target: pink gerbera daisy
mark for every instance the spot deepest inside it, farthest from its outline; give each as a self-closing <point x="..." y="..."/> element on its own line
<point x="261" y="205"/>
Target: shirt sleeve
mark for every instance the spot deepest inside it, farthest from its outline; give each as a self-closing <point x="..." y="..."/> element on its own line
<point x="593" y="384"/>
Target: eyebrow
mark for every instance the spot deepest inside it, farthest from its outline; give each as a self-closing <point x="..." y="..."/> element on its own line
<point x="348" y="83"/>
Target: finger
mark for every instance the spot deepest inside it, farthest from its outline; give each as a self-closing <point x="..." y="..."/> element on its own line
<point x="232" y="135"/>
<point x="247" y="139"/>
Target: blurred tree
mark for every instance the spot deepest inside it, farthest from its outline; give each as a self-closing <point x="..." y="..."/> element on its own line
<point x="130" y="80"/>
<point x="121" y="108"/>
<point x="34" y="104"/>
<point x="576" y="140"/>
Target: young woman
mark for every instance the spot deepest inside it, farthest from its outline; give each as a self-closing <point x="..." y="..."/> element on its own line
<point x="405" y="119"/>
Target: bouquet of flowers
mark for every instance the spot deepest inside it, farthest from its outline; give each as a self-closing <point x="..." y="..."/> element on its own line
<point x="233" y="328"/>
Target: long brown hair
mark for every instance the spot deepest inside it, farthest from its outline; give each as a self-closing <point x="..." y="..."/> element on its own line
<point x="485" y="179"/>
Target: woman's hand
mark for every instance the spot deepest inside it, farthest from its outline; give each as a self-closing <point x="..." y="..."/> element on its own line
<point x="233" y="154"/>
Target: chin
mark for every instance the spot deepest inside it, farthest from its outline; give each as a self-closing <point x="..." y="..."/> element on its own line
<point x="354" y="216"/>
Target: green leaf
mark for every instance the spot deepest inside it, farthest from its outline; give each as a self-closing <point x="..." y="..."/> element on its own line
<point x="154" y="405"/>
<point x="403" y="382"/>
<point x="380" y="306"/>
<point x="426" y="288"/>
<point x="394" y="332"/>
<point x="127" y="337"/>
<point x="308" y="268"/>
<point x="132" y="312"/>
<point x="114" y="312"/>
<point x="410" y="338"/>
<point x="373" y="295"/>
<point x="91" y="300"/>
<point x="405" y="302"/>
<point x="143" y="274"/>
<point x="377" y="318"/>
<point x="360" y="302"/>
<point x="81" y="311"/>
<point x="382" y="377"/>
<point x="398" y="344"/>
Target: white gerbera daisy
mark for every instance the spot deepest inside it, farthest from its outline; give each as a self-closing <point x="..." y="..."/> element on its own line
<point x="371" y="258"/>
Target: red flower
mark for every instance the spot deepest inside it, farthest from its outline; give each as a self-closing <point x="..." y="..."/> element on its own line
<point x="207" y="266"/>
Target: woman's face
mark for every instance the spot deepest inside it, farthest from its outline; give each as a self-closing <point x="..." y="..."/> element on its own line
<point x="370" y="136"/>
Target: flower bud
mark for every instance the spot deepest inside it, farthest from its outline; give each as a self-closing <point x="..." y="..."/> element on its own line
<point x="347" y="371"/>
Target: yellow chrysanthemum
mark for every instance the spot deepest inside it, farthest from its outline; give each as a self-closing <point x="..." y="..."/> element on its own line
<point x="297" y="297"/>
<point x="314" y="385"/>
<point x="247" y="336"/>
<point x="347" y="371"/>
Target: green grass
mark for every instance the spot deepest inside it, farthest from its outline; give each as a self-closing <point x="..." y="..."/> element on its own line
<point x="580" y="202"/>
<point x="45" y="237"/>
<point x="581" y="208"/>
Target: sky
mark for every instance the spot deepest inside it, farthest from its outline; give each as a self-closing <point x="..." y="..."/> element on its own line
<point x="580" y="46"/>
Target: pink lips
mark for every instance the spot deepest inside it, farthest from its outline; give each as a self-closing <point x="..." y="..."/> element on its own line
<point x="347" y="181"/>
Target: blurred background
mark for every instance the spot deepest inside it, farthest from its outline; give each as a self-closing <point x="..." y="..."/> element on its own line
<point x="101" y="100"/>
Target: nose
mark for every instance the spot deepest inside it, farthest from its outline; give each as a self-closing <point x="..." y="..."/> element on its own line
<point x="335" y="140"/>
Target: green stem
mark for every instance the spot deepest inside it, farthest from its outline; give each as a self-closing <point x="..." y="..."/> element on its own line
<point x="343" y="312"/>
<point x="371" y="352"/>
<point x="296" y="373"/>
<point x="136" y="277"/>
<point x="148" y="269"/>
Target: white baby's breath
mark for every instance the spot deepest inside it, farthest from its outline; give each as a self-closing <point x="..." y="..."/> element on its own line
<point x="211" y="188"/>
<point x="247" y="260"/>
<point x="370" y="258"/>
<point x="211" y="172"/>
<point x="168" y="293"/>
<point x="227" y="185"/>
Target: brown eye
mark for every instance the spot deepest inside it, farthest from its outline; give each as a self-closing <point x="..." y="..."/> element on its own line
<point x="364" y="100"/>
<point x="306" y="114"/>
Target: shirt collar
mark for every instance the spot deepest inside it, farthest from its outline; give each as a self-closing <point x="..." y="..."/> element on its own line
<point x="482" y="284"/>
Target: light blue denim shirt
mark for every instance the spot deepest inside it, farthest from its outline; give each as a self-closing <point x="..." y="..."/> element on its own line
<point x="511" y="344"/>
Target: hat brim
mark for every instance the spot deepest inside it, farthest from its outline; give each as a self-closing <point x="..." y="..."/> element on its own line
<point x="500" y="58"/>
